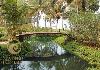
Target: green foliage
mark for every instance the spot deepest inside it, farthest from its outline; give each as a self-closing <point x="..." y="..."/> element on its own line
<point x="25" y="28"/>
<point x="40" y="38"/>
<point x="60" y="40"/>
<point x="92" y="55"/>
<point x="92" y="1"/>
<point x="3" y="30"/>
<point x="85" y="25"/>
<point x="14" y="13"/>
<point x="26" y="49"/>
<point x="3" y="34"/>
<point x="3" y="51"/>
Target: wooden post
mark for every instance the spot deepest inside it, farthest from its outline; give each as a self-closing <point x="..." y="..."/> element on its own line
<point x="21" y="38"/>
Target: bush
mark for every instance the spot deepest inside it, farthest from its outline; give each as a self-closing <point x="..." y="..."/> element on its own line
<point x="85" y="25"/>
<point x="1" y="35"/>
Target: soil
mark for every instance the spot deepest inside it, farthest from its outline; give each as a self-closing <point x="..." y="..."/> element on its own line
<point x="4" y="42"/>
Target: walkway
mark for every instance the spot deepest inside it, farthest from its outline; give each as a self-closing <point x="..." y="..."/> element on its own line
<point x="39" y="33"/>
<point x="5" y="42"/>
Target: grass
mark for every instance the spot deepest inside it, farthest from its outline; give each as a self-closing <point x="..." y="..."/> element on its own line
<point x="92" y="55"/>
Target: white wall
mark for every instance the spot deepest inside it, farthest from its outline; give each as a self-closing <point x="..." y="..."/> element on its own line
<point x="62" y="23"/>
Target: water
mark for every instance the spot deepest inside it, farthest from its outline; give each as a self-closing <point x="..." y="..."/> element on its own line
<point x="72" y="63"/>
<point x="49" y="56"/>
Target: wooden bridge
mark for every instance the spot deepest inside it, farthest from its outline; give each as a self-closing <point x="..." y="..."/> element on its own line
<point x="25" y="35"/>
<point x="39" y="33"/>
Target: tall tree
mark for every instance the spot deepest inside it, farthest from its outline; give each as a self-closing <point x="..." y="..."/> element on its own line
<point x="14" y="16"/>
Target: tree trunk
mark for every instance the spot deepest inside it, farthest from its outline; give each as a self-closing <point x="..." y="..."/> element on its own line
<point x="40" y="2"/>
<point x="83" y="5"/>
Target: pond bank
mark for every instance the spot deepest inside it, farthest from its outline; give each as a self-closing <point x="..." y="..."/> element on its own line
<point x="92" y="55"/>
<point x="51" y="54"/>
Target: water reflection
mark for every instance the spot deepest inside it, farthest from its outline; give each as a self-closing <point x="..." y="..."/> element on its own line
<point x="47" y="49"/>
<point x="72" y="63"/>
<point x="48" y="56"/>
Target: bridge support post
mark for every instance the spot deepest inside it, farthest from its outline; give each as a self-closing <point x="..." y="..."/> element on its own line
<point x="21" y="38"/>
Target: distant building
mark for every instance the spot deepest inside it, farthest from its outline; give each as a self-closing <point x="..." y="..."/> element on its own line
<point x="43" y="22"/>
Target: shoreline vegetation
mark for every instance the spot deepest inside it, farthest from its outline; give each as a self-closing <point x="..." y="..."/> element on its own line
<point x="90" y="54"/>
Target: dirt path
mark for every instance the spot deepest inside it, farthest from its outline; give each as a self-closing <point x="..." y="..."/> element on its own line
<point x="4" y="42"/>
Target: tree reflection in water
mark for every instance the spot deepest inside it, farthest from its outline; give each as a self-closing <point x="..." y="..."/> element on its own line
<point x="47" y="49"/>
<point x="72" y="63"/>
<point x="53" y="58"/>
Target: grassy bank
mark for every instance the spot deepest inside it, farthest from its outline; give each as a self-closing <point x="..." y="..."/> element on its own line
<point x="92" y="55"/>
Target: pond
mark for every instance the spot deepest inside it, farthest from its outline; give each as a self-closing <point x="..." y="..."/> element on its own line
<point x="48" y="56"/>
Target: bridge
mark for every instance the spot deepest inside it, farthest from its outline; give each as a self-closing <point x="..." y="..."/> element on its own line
<point x="26" y="35"/>
<point x="51" y="57"/>
<point x="40" y="33"/>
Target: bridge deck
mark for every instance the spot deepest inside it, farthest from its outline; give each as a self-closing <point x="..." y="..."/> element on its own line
<point x="39" y="33"/>
<point x="25" y="35"/>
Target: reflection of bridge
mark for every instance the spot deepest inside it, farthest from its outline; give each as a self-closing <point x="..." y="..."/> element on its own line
<point x="50" y="58"/>
<point x="25" y="35"/>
